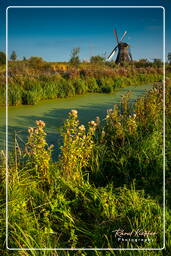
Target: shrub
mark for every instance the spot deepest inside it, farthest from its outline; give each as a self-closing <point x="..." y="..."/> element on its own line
<point x="107" y="89"/>
<point x="2" y="58"/>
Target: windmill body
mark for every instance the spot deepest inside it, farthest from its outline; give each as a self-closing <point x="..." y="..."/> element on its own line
<point x="124" y="54"/>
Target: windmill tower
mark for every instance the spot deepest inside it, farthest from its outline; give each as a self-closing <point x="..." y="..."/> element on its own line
<point x="124" y="54"/>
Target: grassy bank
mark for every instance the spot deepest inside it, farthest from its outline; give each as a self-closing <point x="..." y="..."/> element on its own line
<point x="108" y="176"/>
<point x="29" y="83"/>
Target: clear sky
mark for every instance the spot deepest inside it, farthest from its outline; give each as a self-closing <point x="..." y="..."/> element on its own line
<point x="52" y="32"/>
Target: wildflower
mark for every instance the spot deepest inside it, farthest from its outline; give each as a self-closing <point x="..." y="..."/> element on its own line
<point x="97" y="120"/>
<point x="74" y="113"/>
<point x="109" y="110"/>
<point x="40" y="123"/>
<point x="92" y="123"/>
<point x="36" y="131"/>
<point x="81" y="127"/>
<point x="30" y="130"/>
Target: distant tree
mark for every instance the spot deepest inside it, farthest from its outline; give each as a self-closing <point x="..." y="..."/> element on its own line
<point x="157" y="62"/>
<point x="75" y="56"/>
<point x="24" y="58"/>
<point x="97" y="59"/>
<point x="143" y="60"/>
<point x="13" y="56"/>
<point x="142" y="63"/>
<point x="36" y="61"/>
<point x="169" y="57"/>
<point x="2" y="58"/>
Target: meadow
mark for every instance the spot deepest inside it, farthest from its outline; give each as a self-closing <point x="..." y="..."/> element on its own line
<point x="108" y="176"/>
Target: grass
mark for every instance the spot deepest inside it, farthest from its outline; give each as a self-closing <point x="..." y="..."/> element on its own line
<point x="108" y="177"/>
<point x="81" y="199"/>
<point x="29" y="83"/>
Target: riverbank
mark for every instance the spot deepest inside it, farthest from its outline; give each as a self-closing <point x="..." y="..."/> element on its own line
<point x="29" y="84"/>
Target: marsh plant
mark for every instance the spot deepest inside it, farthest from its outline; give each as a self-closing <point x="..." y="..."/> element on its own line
<point x="78" y="146"/>
<point x="38" y="153"/>
<point x="108" y="177"/>
<point x="31" y="81"/>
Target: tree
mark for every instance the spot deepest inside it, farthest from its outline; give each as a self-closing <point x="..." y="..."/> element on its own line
<point x="97" y="59"/>
<point x="157" y="62"/>
<point x="36" y="61"/>
<point x="169" y="57"/>
<point x="13" y="56"/>
<point x="2" y="58"/>
<point x="75" y="56"/>
<point x="143" y="61"/>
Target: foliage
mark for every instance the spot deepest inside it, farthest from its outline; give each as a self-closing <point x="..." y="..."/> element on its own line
<point x="33" y="80"/>
<point x="123" y="158"/>
<point x="97" y="59"/>
<point x="13" y="56"/>
<point x="37" y="151"/>
<point x="77" y="147"/>
<point x="169" y="57"/>
<point x="108" y="176"/>
<point x="2" y="58"/>
<point x="36" y="62"/>
<point x="75" y="57"/>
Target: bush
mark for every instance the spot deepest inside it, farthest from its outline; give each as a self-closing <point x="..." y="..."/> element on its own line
<point x="107" y="89"/>
<point x="2" y="58"/>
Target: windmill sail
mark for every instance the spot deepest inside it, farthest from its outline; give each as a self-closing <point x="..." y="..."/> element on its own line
<point x="112" y="53"/>
<point x="123" y="36"/>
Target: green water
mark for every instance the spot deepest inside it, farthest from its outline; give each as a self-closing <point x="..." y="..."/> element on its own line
<point x="54" y="112"/>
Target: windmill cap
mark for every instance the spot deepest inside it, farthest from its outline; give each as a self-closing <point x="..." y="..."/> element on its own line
<point x="123" y="44"/>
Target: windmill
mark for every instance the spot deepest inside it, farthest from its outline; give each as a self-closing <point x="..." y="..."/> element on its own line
<point x="124" y="54"/>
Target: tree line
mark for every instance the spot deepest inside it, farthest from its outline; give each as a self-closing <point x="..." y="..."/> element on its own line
<point x="75" y="59"/>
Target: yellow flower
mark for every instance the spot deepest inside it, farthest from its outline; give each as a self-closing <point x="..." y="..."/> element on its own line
<point x="40" y="123"/>
<point x="74" y="113"/>
<point x="81" y="127"/>
<point x="93" y="123"/>
<point x="30" y="130"/>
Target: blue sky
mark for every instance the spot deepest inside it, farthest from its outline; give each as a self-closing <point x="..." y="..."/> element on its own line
<point x="52" y="32"/>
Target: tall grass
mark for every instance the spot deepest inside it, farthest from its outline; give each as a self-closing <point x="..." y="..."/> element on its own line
<point x="108" y="177"/>
<point x="28" y="84"/>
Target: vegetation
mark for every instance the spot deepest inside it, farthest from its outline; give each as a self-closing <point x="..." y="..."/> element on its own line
<point x="108" y="176"/>
<point x="32" y="80"/>
<point x="2" y="58"/>
<point x="75" y="57"/>
<point x="169" y="57"/>
<point x="13" y="56"/>
<point x="97" y="59"/>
